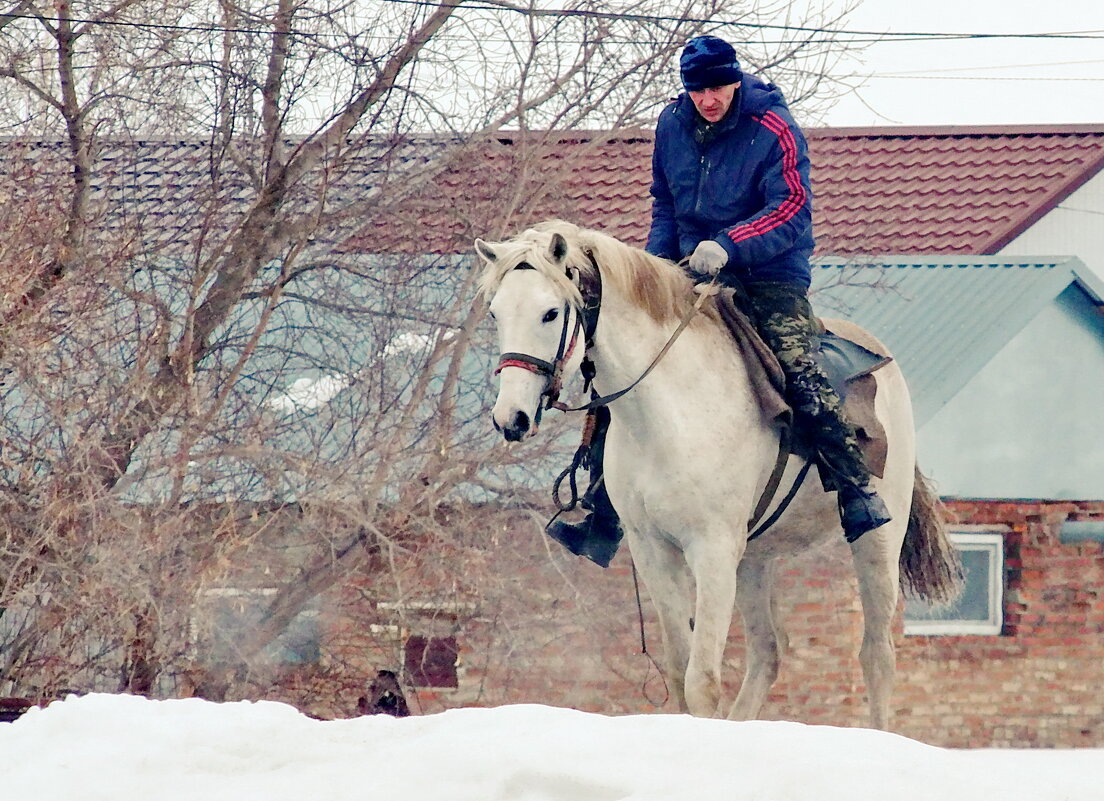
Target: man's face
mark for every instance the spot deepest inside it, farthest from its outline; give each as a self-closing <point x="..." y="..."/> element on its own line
<point x="715" y="102"/>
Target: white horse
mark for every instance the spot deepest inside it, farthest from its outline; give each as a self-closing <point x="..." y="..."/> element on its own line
<point x="688" y="453"/>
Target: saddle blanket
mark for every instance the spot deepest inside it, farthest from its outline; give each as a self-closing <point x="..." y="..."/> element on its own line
<point x="849" y="366"/>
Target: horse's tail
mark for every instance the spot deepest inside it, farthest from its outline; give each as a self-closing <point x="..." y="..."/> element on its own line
<point x="930" y="568"/>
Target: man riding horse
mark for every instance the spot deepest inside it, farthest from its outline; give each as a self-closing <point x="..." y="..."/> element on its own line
<point x="731" y="194"/>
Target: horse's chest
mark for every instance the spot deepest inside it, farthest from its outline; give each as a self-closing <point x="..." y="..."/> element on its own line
<point x="671" y="488"/>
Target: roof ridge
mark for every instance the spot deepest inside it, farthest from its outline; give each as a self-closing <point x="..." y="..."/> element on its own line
<point x="827" y="132"/>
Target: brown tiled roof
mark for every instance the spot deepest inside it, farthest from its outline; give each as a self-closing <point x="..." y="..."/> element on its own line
<point x="943" y="190"/>
<point x="165" y="196"/>
<point x="877" y="190"/>
<point x="966" y="190"/>
<point x="147" y="192"/>
<point x="498" y="186"/>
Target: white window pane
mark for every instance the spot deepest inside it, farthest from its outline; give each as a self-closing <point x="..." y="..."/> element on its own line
<point x="979" y="609"/>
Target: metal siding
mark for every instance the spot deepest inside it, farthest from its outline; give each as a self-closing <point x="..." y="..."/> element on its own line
<point x="944" y="318"/>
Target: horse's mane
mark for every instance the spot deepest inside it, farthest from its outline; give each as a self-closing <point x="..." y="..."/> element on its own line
<point x="656" y="285"/>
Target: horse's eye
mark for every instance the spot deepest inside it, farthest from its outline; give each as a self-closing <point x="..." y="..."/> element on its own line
<point x="550" y="315"/>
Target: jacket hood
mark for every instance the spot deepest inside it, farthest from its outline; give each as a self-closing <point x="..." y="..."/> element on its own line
<point x="758" y="96"/>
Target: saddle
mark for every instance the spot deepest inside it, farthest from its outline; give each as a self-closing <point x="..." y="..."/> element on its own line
<point x="848" y="365"/>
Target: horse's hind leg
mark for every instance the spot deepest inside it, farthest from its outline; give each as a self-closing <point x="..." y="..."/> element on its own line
<point x="876" y="565"/>
<point x="669" y="583"/>
<point x="765" y="638"/>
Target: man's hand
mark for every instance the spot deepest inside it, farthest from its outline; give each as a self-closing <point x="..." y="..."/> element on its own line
<point x="708" y="258"/>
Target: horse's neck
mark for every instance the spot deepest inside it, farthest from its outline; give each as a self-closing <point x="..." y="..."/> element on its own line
<point x="629" y="340"/>
<point x="698" y="399"/>
<point x="626" y="341"/>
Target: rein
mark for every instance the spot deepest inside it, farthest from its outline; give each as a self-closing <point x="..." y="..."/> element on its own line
<point x="593" y="306"/>
<point x="605" y="400"/>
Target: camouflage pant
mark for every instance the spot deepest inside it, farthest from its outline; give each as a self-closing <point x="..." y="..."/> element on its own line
<point x="784" y="318"/>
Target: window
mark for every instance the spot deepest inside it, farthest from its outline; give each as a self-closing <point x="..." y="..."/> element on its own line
<point x="427" y="631"/>
<point x="979" y="610"/>
<point x="431" y="661"/>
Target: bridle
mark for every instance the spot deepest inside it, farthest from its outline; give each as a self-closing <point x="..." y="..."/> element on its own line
<point x="551" y="370"/>
<point x="585" y="320"/>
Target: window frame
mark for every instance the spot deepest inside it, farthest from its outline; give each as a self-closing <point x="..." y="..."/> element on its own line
<point x="988" y="539"/>
<point x="430" y="640"/>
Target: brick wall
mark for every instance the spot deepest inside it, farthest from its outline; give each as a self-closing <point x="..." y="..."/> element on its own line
<point x="564" y="632"/>
<point x="1041" y="682"/>
<point x="1038" y="684"/>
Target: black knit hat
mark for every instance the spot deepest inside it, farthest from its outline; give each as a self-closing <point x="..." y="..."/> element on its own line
<point x="708" y="62"/>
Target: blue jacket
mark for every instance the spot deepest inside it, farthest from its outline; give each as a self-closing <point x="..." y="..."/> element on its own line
<point x="747" y="187"/>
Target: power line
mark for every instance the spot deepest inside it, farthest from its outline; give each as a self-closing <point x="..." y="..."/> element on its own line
<point x="1091" y="34"/>
<point x="997" y="67"/>
<point x="1080" y="211"/>
<point x="163" y="26"/>
<point x="975" y="78"/>
<point x="873" y="36"/>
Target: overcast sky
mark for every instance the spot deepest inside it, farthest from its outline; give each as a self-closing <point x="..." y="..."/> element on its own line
<point x="978" y="81"/>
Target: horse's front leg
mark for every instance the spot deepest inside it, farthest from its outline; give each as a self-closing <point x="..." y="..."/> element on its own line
<point x="663" y="569"/>
<point x="713" y="559"/>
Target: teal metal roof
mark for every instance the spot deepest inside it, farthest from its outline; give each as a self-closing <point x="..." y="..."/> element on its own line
<point x="944" y="318"/>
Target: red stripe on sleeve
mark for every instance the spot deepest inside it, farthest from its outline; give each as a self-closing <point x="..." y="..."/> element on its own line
<point x="797" y="197"/>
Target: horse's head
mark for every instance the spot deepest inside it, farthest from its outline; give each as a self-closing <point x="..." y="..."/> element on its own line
<point x="533" y="285"/>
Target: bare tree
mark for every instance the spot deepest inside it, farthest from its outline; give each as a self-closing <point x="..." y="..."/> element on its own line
<point x="209" y="394"/>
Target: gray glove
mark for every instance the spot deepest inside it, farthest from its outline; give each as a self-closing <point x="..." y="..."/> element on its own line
<point x="708" y="258"/>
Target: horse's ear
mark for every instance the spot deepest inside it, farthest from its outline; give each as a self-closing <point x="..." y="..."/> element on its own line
<point x="558" y="249"/>
<point x="485" y="250"/>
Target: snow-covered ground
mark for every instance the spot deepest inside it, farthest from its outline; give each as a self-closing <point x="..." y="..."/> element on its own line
<point x="125" y="748"/>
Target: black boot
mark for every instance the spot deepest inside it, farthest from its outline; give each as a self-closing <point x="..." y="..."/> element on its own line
<point x="598" y="534"/>
<point x="596" y="537"/>
<point x="861" y="510"/>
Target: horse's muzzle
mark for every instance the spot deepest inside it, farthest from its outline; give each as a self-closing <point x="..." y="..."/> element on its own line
<point x="518" y="426"/>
